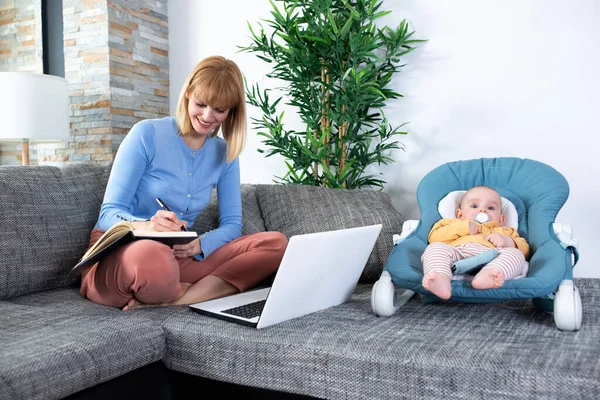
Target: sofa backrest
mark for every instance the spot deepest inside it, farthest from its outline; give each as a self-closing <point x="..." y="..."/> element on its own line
<point x="252" y="220"/>
<point x="46" y="215"/>
<point x="297" y="209"/>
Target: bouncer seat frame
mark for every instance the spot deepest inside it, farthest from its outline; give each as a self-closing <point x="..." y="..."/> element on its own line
<point x="537" y="192"/>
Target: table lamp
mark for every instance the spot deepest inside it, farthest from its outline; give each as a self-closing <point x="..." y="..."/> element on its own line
<point x="33" y="107"/>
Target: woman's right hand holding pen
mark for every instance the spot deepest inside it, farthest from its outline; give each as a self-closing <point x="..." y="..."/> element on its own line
<point x="162" y="221"/>
<point x="166" y="221"/>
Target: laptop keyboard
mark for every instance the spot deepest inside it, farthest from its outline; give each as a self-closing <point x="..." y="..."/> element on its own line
<point x="249" y="310"/>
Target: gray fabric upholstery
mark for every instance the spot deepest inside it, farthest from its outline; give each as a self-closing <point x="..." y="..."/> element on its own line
<point x="49" y="354"/>
<point x="297" y="209"/>
<point x="54" y="343"/>
<point x="46" y="215"/>
<point x="252" y="220"/>
<point x="424" y="351"/>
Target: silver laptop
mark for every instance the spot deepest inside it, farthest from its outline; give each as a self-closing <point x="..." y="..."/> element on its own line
<point x="318" y="271"/>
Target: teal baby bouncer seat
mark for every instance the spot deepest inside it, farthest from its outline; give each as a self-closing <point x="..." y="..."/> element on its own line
<point x="532" y="194"/>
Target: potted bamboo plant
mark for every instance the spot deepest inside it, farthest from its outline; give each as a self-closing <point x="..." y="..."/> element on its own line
<point x="336" y="65"/>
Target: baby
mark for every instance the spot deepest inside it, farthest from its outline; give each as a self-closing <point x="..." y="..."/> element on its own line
<point x="478" y="226"/>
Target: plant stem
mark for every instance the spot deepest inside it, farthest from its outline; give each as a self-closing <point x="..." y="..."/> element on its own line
<point x="315" y="164"/>
<point x="325" y="120"/>
<point x="341" y="134"/>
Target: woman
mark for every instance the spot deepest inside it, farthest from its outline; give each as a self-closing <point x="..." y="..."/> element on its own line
<point x="179" y="160"/>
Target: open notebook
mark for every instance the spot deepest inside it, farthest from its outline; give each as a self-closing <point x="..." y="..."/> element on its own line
<point x="120" y="234"/>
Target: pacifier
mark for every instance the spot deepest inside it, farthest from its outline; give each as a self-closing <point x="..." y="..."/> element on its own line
<point x="482" y="218"/>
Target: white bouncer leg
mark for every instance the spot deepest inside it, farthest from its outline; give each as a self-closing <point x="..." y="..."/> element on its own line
<point x="567" y="307"/>
<point x="384" y="299"/>
<point x="567" y="300"/>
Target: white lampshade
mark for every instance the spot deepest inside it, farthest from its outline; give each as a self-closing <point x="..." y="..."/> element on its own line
<point x="33" y="106"/>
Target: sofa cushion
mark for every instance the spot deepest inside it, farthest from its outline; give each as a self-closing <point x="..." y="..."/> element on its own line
<point x="46" y="214"/>
<point x="49" y="354"/>
<point x="252" y="220"/>
<point x="297" y="209"/>
<point x="424" y="351"/>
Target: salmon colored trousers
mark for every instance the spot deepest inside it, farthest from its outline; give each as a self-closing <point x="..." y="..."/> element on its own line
<point x="149" y="271"/>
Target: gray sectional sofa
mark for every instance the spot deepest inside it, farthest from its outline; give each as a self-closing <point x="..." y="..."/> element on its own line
<point x="55" y="344"/>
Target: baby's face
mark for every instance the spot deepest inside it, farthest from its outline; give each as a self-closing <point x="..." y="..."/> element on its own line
<point x="484" y="200"/>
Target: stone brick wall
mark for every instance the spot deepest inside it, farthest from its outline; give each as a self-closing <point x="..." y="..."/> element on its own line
<point x="116" y="63"/>
<point x="138" y="38"/>
<point x="21" y="36"/>
<point x="85" y="33"/>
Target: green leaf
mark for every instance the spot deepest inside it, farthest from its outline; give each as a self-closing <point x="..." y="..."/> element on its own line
<point x="353" y="10"/>
<point x="346" y="27"/>
<point x="381" y="14"/>
<point x="275" y="12"/>
<point x="264" y="58"/>
<point x="332" y="23"/>
<point x="314" y="38"/>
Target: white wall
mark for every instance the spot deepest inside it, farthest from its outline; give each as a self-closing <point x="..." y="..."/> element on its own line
<point x="496" y="78"/>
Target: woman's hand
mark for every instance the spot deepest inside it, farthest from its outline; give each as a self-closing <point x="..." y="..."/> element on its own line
<point x="500" y="240"/>
<point x="162" y="221"/>
<point x="166" y="221"/>
<point x="187" y="250"/>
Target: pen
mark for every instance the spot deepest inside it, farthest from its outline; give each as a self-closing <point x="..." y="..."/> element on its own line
<point x="164" y="207"/>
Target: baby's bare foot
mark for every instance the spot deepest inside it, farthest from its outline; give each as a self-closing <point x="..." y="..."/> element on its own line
<point x="488" y="278"/>
<point x="438" y="284"/>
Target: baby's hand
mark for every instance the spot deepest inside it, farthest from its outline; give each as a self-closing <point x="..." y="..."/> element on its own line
<point x="500" y="240"/>
<point x="473" y="228"/>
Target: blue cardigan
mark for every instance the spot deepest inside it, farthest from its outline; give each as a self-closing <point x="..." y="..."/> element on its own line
<point x="154" y="161"/>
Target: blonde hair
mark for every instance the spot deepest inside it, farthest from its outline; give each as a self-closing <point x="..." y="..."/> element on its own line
<point x="219" y="83"/>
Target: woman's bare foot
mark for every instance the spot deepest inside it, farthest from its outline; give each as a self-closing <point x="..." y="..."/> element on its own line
<point x="136" y="304"/>
<point x="131" y="304"/>
<point x="438" y="284"/>
<point x="207" y="288"/>
<point x="488" y="278"/>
